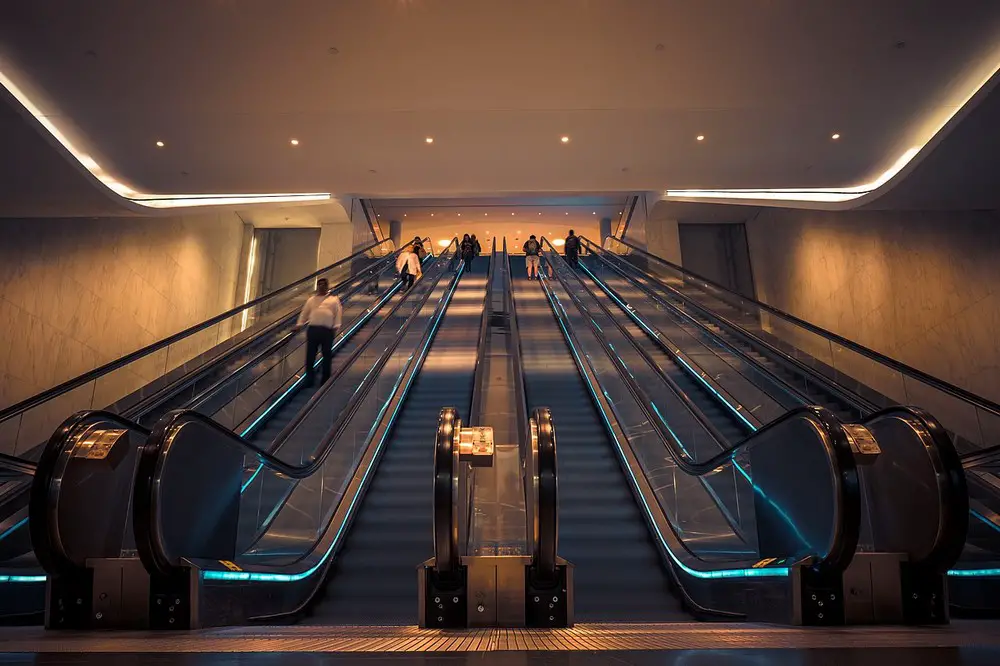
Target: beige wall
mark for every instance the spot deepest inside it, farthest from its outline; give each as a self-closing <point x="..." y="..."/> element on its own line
<point x="923" y="288"/>
<point x="77" y="293"/>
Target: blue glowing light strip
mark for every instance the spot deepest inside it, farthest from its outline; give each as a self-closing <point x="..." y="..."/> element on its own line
<point x="656" y="334"/>
<point x="16" y="526"/>
<point x="290" y="578"/>
<point x="763" y="572"/>
<point x="343" y="339"/>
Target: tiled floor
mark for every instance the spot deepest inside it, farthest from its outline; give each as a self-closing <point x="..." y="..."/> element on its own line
<point x="961" y="638"/>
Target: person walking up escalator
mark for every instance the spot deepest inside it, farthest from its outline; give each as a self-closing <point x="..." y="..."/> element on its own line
<point x="321" y="316"/>
<point x="531" y="251"/>
<point x="468" y="251"/>
<point x="571" y="249"/>
<point x="408" y="266"/>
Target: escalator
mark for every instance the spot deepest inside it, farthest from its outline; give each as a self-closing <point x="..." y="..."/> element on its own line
<point x="798" y="363"/>
<point x="199" y="487"/>
<point x="247" y="379"/>
<point x="372" y="579"/>
<point x="600" y="521"/>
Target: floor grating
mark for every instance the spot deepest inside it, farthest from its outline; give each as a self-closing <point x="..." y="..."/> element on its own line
<point x="585" y="637"/>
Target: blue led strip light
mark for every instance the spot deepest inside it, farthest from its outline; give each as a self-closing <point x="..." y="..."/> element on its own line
<point x="960" y="573"/>
<point x="290" y="578"/>
<point x="656" y="334"/>
<point x="763" y="572"/>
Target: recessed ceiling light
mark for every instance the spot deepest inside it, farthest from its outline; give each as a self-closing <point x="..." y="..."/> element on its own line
<point x="460" y="215"/>
<point x="159" y="144"/>
<point x="835" y="137"/>
<point x="565" y="139"/>
<point x="701" y="137"/>
<point x="539" y="213"/>
<point x="594" y="213"/>
<point x="486" y="214"/>
<point x="404" y="214"/>
<point x="294" y="142"/>
<point x="512" y="214"/>
<point x="432" y="214"/>
<point x="429" y="139"/>
<point x="567" y="213"/>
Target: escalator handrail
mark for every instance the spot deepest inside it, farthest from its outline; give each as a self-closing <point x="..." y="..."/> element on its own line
<point x="547" y="505"/>
<point x="944" y="459"/>
<point x="952" y="487"/>
<point x="144" y="406"/>
<point x="18" y="465"/>
<point x="941" y="385"/>
<point x="837" y="448"/>
<point x="790" y="390"/>
<point x="96" y="373"/>
<point x="682" y="395"/>
<point x="478" y="380"/>
<point x="148" y="543"/>
<point x="43" y="525"/>
<point x="521" y="404"/>
<point x="849" y="396"/>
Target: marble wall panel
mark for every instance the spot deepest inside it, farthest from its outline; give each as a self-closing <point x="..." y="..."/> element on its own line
<point x="77" y="293"/>
<point x="922" y="287"/>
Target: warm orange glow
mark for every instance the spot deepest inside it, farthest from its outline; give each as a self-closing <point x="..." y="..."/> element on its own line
<point x="294" y="142"/>
<point x="701" y="137"/>
<point x="565" y="139"/>
<point x="559" y="242"/>
<point x="429" y="139"/>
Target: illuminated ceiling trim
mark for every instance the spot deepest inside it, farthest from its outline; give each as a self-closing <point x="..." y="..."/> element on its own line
<point x="839" y="195"/>
<point x="146" y="199"/>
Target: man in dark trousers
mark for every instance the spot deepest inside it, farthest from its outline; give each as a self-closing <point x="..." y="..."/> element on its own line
<point x="321" y="316"/>
<point x="572" y="249"/>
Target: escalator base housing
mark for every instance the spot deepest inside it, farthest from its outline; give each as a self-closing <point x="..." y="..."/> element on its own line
<point x="495" y="591"/>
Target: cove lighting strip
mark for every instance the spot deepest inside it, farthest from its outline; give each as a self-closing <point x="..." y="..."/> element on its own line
<point x="145" y="199"/>
<point x="843" y="194"/>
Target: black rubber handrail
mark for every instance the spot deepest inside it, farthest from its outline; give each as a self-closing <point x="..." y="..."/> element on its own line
<point x="943" y="386"/>
<point x="779" y="383"/>
<point x="151" y="402"/>
<point x="521" y="404"/>
<point x="478" y="380"/>
<point x="151" y="550"/>
<point x="443" y="519"/>
<point x="846" y="395"/>
<point x="96" y="373"/>
<point x="546" y="552"/>
<point x="847" y="531"/>
<point x="953" y="493"/>
<point x="43" y="524"/>
<point x="18" y="465"/>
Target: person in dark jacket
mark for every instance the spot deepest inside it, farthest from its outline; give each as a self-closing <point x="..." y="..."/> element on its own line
<point x="572" y="249"/>
<point x="418" y="247"/>
<point x="476" y="246"/>
<point x="467" y="250"/>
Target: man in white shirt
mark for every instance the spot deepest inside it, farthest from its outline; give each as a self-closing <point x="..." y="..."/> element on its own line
<point x="321" y="316"/>
<point x="408" y="266"/>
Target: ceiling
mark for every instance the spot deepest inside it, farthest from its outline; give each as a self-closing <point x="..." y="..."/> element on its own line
<point x="226" y="84"/>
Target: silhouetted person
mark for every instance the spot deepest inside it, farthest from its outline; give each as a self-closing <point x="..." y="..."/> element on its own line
<point x="321" y="316"/>
<point x="532" y="249"/>
<point x="418" y="248"/>
<point x="476" y="247"/>
<point x="572" y="249"/>
<point x="468" y="251"/>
